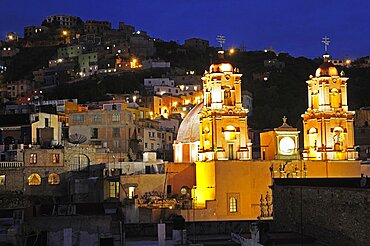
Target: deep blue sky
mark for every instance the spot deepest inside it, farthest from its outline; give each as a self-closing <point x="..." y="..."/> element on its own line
<point x="294" y="26"/>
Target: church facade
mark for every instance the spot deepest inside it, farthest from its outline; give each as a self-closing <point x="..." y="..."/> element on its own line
<point x="229" y="185"/>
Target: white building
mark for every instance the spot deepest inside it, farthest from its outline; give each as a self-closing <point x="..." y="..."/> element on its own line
<point x="161" y="90"/>
<point x="70" y="51"/>
<point x="63" y="20"/>
<point x="148" y="64"/>
<point x="151" y="82"/>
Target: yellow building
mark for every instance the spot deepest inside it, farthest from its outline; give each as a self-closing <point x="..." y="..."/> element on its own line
<point x="328" y="124"/>
<point x="228" y="184"/>
<point x="223" y="120"/>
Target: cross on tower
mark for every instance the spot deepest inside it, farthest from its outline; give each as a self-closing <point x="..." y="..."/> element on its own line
<point x="326" y="41"/>
<point x="221" y="40"/>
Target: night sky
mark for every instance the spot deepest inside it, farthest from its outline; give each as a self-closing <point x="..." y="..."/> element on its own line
<point x="296" y="27"/>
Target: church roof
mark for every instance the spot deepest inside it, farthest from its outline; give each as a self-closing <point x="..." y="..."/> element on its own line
<point x="189" y="127"/>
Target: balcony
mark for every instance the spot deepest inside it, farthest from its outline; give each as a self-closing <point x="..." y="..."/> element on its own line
<point x="11" y="164"/>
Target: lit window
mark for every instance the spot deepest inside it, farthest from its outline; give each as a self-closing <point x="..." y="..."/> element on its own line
<point x="2" y="179"/>
<point x="56" y="158"/>
<point x="114" y="189"/>
<point x="131" y="192"/>
<point x="53" y="179"/>
<point x="233" y="205"/>
<point x="34" y="179"/>
<point x="33" y="158"/>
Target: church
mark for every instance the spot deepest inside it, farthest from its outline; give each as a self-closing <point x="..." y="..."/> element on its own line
<point x="213" y="140"/>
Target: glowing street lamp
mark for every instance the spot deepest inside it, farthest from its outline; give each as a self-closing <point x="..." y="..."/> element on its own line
<point x="65" y="33"/>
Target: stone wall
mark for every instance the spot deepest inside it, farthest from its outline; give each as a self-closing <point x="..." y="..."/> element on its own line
<point x="13" y="179"/>
<point x="333" y="215"/>
<point x="86" y="230"/>
<point x="201" y="228"/>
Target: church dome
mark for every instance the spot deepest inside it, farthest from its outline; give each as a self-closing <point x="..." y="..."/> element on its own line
<point x="189" y="127"/>
<point x="221" y="67"/>
<point x="327" y="68"/>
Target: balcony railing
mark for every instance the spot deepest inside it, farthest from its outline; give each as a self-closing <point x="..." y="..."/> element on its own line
<point x="11" y="164"/>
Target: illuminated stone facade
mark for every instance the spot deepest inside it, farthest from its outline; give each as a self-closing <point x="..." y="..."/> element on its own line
<point x="223" y="120"/>
<point x="327" y="123"/>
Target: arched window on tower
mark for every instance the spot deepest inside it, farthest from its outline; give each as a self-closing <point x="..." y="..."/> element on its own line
<point x="338" y="138"/>
<point x="335" y="100"/>
<point x="228" y="100"/>
<point x="312" y="138"/>
<point x="315" y="99"/>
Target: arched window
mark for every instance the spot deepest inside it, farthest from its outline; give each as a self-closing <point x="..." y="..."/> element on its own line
<point x="312" y="137"/>
<point x="53" y="179"/>
<point x="80" y="162"/>
<point x="335" y="100"/>
<point x="233" y="205"/>
<point x="315" y="99"/>
<point x="34" y="179"/>
<point x="338" y="138"/>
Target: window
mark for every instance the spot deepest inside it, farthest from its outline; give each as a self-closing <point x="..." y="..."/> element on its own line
<point x="116" y="143"/>
<point x="53" y="179"/>
<point x="34" y="179"/>
<point x="97" y="118"/>
<point x="2" y="180"/>
<point x="33" y="158"/>
<point x="116" y="117"/>
<point x="233" y="205"/>
<point x="94" y="133"/>
<point x="78" y="118"/>
<point x="56" y="158"/>
<point x="131" y="192"/>
<point x="146" y="145"/>
<point x="152" y="146"/>
<point x="115" y="132"/>
<point x="114" y="189"/>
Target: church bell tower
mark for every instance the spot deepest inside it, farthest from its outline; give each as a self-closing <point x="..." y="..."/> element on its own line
<point x="327" y="123"/>
<point x="223" y="120"/>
